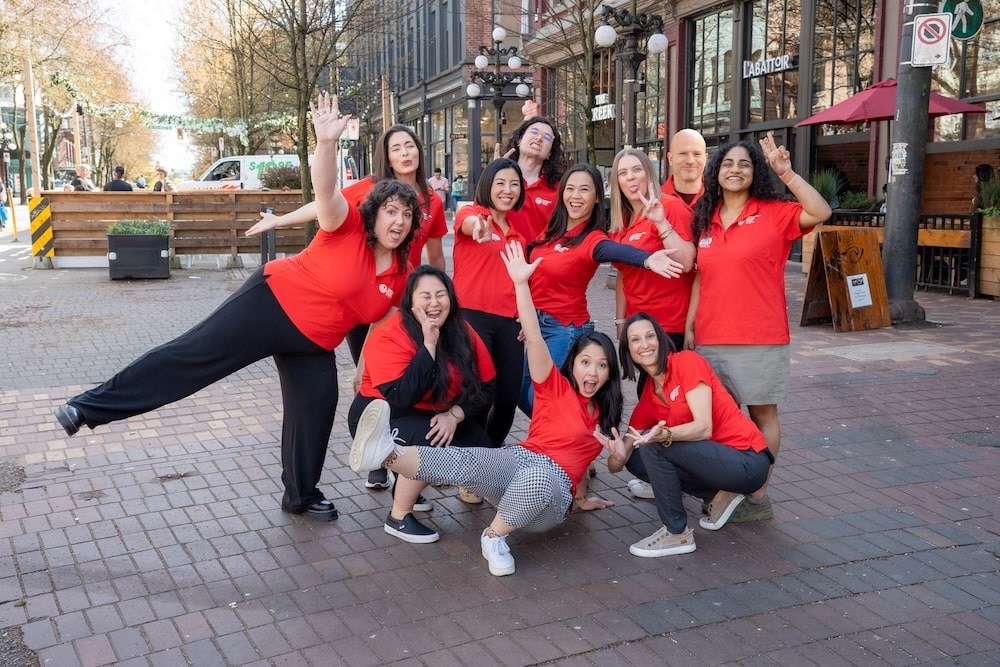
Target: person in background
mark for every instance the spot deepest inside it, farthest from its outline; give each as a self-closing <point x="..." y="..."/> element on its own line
<point x="536" y="146"/>
<point x="532" y="484"/>
<point x="457" y="191"/>
<point x="296" y="310"/>
<point x="690" y="434"/>
<point x="140" y="182"/>
<point x="436" y="375"/>
<point x="82" y="182"/>
<point x="744" y="229"/>
<point x="687" y="157"/>
<point x="982" y="175"/>
<point x="163" y="183"/>
<point x="439" y="184"/>
<point x="118" y="183"/>
<point x="487" y="296"/>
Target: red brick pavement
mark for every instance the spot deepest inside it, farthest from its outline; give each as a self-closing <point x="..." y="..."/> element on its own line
<point x="159" y="540"/>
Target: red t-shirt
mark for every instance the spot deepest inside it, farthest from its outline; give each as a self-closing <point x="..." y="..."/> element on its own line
<point x="481" y="279"/>
<point x="559" y="284"/>
<point x="741" y="297"/>
<point x="666" y="300"/>
<point x="685" y="371"/>
<point x="390" y="350"/>
<point x="539" y="204"/>
<point x="432" y="225"/>
<point x="331" y="286"/>
<point x="668" y="189"/>
<point x="562" y="426"/>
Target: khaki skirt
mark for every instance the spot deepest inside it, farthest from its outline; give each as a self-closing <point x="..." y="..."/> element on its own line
<point x="753" y="374"/>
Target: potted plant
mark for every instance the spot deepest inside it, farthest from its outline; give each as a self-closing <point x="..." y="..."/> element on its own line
<point x="827" y="183"/>
<point x="139" y="249"/>
<point x="989" y="249"/>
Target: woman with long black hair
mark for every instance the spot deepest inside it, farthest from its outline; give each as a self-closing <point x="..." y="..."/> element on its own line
<point x="435" y="374"/>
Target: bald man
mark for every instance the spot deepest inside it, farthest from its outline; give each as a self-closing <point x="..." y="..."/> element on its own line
<point x="687" y="157"/>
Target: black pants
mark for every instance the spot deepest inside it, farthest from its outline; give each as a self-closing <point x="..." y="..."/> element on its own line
<point x="499" y="334"/>
<point x="249" y="326"/>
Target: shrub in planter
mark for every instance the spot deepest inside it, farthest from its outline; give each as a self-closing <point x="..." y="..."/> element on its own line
<point x="827" y="183"/>
<point x="278" y="178"/>
<point x="139" y="249"/>
<point x="856" y="201"/>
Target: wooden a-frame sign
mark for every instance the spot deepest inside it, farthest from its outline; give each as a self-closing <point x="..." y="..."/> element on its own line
<point x="846" y="285"/>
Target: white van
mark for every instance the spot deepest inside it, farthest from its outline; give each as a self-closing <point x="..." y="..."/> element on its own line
<point x="242" y="172"/>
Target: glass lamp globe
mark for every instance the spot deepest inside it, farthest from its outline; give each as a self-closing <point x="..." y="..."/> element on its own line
<point x="499" y="34"/>
<point x="605" y="36"/>
<point x="482" y="62"/>
<point x="473" y="90"/>
<point x="657" y="43"/>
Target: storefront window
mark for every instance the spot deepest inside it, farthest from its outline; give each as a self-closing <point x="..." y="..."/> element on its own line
<point x="711" y="74"/>
<point x="973" y="71"/>
<point x="569" y="106"/>
<point x="844" y="52"/>
<point x="772" y="69"/>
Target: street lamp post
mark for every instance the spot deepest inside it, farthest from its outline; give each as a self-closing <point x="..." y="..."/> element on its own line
<point x="638" y="34"/>
<point x="499" y="56"/>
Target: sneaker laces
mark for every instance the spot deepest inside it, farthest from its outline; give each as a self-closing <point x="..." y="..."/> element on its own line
<point x="394" y="434"/>
<point x="498" y="545"/>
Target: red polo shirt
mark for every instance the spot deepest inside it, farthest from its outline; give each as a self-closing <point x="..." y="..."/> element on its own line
<point x="331" y="286"/>
<point x="481" y="279"/>
<point x="685" y="371"/>
<point x="668" y="189"/>
<point x="741" y="297"/>
<point x="389" y="352"/>
<point x="666" y="300"/>
<point x="539" y="203"/>
<point x="559" y="284"/>
<point x="432" y="225"/>
<point x="562" y="426"/>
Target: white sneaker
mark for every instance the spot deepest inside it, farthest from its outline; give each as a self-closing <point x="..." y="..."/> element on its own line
<point x="664" y="543"/>
<point x="641" y="489"/>
<point x="373" y="441"/>
<point x="497" y="554"/>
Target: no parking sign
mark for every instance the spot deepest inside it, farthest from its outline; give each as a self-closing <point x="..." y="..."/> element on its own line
<point x="931" y="34"/>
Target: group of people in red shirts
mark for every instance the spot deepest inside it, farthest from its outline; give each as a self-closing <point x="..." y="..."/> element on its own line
<point x="444" y="361"/>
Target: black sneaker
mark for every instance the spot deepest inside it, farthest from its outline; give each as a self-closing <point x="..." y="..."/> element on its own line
<point x="422" y="505"/>
<point x="378" y="479"/>
<point x="321" y="510"/>
<point x="409" y="529"/>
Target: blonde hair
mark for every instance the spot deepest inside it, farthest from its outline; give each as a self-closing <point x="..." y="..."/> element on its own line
<point x="621" y="208"/>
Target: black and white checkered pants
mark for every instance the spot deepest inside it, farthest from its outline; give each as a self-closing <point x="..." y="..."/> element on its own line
<point x="530" y="491"/>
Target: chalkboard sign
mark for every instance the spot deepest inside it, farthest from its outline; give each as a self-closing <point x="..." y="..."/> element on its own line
<point x="846" y="285"/>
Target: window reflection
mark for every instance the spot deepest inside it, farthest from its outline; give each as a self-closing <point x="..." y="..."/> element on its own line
<point x="843" y="53"/>
<point x="711" y="73"/>
<point x="774" y="33"/>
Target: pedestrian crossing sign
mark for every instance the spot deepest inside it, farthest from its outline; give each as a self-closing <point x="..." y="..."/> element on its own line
<point x="967" y="17"/>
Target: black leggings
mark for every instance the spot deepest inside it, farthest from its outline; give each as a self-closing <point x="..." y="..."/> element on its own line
<point x="499" y="334"/>
<point x="249" y="326"/>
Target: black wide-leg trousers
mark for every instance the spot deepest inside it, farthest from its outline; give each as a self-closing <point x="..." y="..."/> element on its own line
<point x="249" y="326"/>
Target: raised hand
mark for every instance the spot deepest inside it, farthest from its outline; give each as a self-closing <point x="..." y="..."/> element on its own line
<point x="429" y="326"/>
<point x="652" y="207"/>
<point x="518" y="267"/>
<point x="482" y="229"/>
<point x="614" y="445"/>
<point x="327" y="121"/>
<point x="777" y="156"/>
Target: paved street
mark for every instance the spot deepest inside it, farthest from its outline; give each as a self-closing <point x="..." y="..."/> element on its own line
<point x="159" y="540"/>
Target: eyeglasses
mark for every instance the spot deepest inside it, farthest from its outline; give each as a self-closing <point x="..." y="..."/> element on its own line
<point x="535" y="132"/>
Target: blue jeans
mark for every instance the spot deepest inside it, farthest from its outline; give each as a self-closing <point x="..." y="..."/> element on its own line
<point x="559" y="338"/>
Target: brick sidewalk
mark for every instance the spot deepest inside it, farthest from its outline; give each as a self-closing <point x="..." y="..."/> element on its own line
<point x="159" y="540"/>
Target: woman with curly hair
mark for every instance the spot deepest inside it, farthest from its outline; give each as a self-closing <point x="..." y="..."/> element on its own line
<point x="536" y="146"/>
<point x="738" y="319"/>
<point x="296" y="310"/>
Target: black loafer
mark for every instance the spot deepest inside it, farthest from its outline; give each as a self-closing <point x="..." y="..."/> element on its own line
<point x="321" y="510"/>
<point x="69" y="418"/>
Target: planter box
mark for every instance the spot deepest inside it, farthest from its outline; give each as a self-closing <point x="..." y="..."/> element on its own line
<point x="989" y="258"/>
<point x="138" y="256"/>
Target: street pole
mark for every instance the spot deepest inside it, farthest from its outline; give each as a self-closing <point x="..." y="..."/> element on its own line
<point x="475" y="147"/>
<point x="29" y="107"/>
<point x="907" y="152"/>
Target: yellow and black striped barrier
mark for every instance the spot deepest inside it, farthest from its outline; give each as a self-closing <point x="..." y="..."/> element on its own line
<point x="42" y="248"/>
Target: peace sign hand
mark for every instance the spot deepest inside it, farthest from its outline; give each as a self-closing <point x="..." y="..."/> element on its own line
<point x="327" y="121"/>
<point x="778" y="156"/>
<point x="652" y="207"/>
<point x="482" y="229"/>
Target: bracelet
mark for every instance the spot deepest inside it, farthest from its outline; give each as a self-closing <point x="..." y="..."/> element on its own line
<point x="670" y="437"/>
<point x="664" y="235"/>
<point x="619" y="320"/>
<point x="782" y="177"/>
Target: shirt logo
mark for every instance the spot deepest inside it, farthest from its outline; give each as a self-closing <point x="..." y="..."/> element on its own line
<point x="542" y="202"/>
<point x="559" y="247"/>
<point x="675" y="392"/>
<point x="385" y="289"/>
<point x="495" y="237"/>
<point x="705" y="242"/>
<point x="636" y="236"/>
<point x="748" y="220"/>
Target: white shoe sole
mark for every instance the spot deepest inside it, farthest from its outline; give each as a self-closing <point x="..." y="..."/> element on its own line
<point x="656" y="553"/>
<point x="724" y="517"/>
<point x="640" y="489"/>
<point x="412" y="539"/>
<point x="372" y="425"/>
